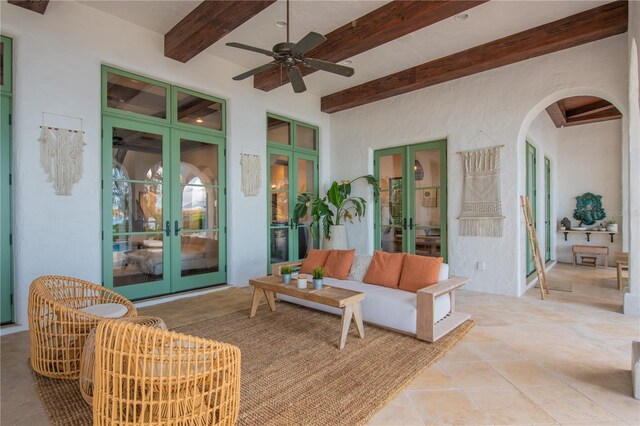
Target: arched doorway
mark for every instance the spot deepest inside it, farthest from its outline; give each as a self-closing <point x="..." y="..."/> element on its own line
<point x="553" y="119"/>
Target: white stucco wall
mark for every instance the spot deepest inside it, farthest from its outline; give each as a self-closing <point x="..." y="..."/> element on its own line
<point x="632" y="298"/>
<point x="57" y="60"/>
<point x="501" y="103"/>
<point x="590" y="160"/>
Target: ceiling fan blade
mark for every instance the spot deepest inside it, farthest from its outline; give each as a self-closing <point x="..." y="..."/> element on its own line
<point x="254" y="71"/>
<point x="295" y="77"/>
<point x="251" y="48"/>
<point x="329" y="66"/>
<point x="308" y="42"/>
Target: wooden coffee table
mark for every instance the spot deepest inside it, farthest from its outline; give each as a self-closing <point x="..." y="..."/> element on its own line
<point x="347" y="300"/>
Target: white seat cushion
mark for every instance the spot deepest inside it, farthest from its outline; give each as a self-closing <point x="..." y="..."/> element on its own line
<point x="384" y="306"/>
<point x="106" y="310"/>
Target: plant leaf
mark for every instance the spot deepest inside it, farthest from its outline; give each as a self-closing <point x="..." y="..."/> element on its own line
<point x="335" y="196"/>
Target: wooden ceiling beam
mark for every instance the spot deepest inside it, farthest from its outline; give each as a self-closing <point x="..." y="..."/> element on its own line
<point x="589" y="109"/>
<point x="387" y="23"/>
<point x="557" y="114"/>
<point x="208" y="23"/>
<point x="606" y="115"/>
<point x="38" y="6"/>
<point x="585" y="27"/>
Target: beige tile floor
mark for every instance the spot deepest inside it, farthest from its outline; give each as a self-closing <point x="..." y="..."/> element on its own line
<point x="564" y="360"/>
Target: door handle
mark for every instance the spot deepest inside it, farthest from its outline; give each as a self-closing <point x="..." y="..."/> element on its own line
<point x="404" y="223"/>
<point x="176" y="228"/>
<point x="410" y="224"/>
<point x="167" y="229"/>
<point x="290" y="223"/>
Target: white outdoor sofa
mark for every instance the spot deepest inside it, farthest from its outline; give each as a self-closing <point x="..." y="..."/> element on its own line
<point x="428" y="314"/>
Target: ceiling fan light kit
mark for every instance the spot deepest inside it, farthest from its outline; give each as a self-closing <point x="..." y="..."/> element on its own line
<point x="289" y="56"/>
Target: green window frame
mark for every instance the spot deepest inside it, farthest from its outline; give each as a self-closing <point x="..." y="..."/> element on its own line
<point x="531" y="190"/>
<point x="547" y="208"/>
<point x="409" y="202"/>
<point x="172" y="131"/>
<point x="6" y="252"/>
<point x="7" y="65"/>
<point x="294" y="153"/>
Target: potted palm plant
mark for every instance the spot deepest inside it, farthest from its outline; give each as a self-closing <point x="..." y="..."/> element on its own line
<point x="285" y="273"/>
<point x="318" y="274"/>
<point x="331" y="211"/>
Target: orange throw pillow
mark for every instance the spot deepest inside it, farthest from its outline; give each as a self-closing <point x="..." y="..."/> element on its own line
<point x="385" y="269"/>
<point x="419" y="272"/>
<point x="315" y="259"/>
<point x="339" y="264"/>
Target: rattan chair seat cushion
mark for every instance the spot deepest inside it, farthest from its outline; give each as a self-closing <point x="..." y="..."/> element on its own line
<point x="106" y="310"/>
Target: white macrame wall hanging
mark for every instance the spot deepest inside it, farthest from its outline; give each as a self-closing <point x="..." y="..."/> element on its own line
<point x="250" y="164"/>
<point x="481" y="203"/>
<point x="61" y="156"/>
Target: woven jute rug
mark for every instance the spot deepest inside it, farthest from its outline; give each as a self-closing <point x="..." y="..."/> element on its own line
<point x="292" y="371"/>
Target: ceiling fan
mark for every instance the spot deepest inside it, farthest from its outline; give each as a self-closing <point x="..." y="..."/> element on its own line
<point x="288" y="55"/>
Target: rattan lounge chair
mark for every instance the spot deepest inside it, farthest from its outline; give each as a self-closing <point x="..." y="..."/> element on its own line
<point x="149" y="376"/>
<point x="62" y="312"/>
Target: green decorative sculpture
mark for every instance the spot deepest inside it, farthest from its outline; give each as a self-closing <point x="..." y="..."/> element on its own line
<point x="589" y="209"/>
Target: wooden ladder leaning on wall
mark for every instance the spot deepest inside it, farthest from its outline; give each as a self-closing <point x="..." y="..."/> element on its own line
<point x="535" y="246"/>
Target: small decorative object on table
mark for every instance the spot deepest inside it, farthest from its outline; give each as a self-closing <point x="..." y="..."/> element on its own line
<point x="285" y="273"/>
<point x="566" y="223"/>
<point x="612" y="226"/>
<point x="302" y="281"/>
<point x="318" y="274"/>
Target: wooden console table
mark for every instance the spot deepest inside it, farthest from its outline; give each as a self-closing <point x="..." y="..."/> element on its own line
<point x="586" y="250"/>
<point x="587" y="233"/>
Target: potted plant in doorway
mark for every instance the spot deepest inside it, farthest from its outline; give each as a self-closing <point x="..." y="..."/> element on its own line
<point x="331" y="211"/>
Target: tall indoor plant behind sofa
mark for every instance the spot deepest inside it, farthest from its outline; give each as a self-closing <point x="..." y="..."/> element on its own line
<point x="429" y="313"/>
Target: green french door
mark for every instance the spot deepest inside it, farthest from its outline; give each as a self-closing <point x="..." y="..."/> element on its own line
<point x="166" y="229"/>
<point x="6" y="257"/>
<point x="292" y="149"/>
<point x="531" y="179"/>
<point x="290" y="174"/>
<point x="411" y="215"/>
<point x="547" y="208"/>
<point x="164" y="186"/>
<point x="198" y="210"/>
<point x="138" y="232"/>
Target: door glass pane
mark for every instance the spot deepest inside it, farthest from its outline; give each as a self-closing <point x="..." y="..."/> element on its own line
<point x="279" y="208"/>
<point x="199" y="253"/>
<point x="279" y="245"/>
<point x="278" y="131"/>
<point x="199" y="111"/>
<point x="306" y="174"/>
<point x="199" y="207"/>
<point x="305" y="137"/>
<point x="198" y="163"/>
<point x="1" y="63"/>
<point x="137" y="155"/>
<point x="391" y="239"/>
<point x="279" y="172"/>
<point x="426" y="166"/>
<point x="137" y="259"/>
<point x="136" y="207"/>
<point x="305" y="242"/>
<point x="129" y="94"/>
<point x="390" y="168"/>
<point x="427" y="204"/>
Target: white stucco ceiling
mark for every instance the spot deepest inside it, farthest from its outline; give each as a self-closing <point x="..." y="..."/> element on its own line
<point x="487" y="22"/>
